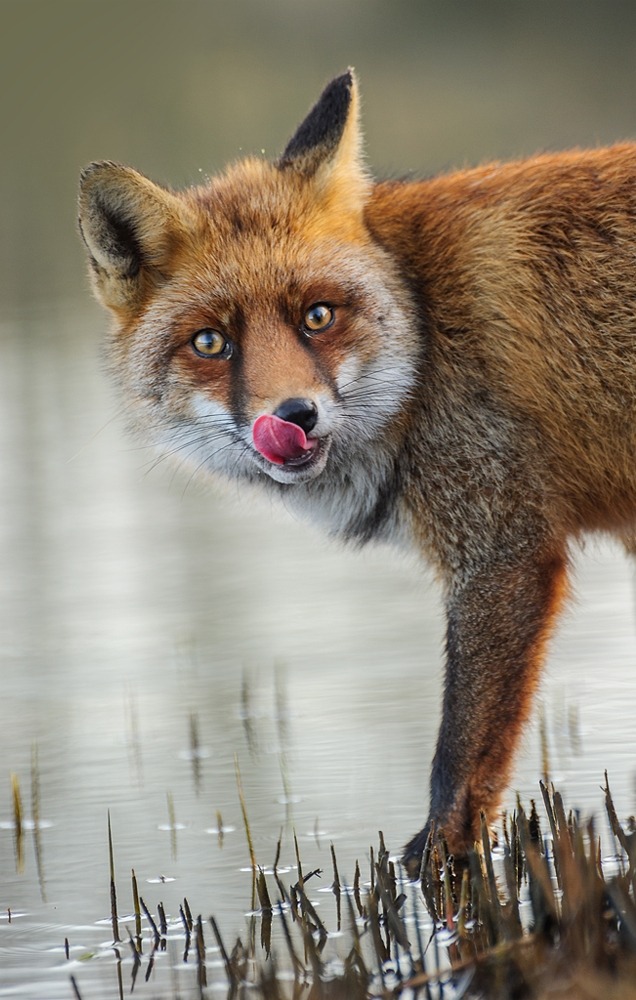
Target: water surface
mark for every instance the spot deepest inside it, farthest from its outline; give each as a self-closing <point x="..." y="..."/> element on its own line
<point x="145" y="616"/>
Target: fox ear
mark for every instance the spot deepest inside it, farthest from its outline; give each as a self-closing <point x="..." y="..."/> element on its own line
<point x="327" y="146"/>
<point x="129" y="226"/>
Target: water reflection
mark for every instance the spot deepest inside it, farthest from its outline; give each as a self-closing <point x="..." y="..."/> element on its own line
<point x="154" y="632"/>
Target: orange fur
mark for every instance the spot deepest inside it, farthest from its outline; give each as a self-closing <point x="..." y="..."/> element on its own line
<point x="472" y="393"/>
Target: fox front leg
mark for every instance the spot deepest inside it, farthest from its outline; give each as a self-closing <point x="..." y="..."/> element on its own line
<point x="498" y="623"/>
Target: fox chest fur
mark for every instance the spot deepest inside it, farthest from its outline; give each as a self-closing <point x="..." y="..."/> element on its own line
<point x="448" y="364"/>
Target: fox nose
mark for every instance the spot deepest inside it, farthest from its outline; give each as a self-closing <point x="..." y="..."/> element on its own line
<point x="302" y="412"/>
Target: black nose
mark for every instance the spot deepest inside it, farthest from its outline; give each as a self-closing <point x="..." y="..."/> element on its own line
<point x="298" y="411"/>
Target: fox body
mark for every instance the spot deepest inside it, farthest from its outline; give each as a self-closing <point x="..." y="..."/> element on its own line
<point x="448" y="365"/>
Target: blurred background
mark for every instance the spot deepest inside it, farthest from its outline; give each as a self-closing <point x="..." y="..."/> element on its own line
<point x="179" y="88"/>
<point x="153" y="629"/>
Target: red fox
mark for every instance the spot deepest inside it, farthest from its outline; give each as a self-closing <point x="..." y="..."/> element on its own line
<point x="448" y="365"/>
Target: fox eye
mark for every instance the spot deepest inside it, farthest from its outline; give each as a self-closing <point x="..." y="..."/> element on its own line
<point x="318" y="318"/>
<point x="211" y="344"/>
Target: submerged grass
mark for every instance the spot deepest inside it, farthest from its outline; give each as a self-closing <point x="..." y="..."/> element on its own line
<point x="538" y="916"/>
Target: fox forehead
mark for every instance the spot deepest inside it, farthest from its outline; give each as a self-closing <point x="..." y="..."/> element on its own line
<point x="263" y="276"/>
<point x="250" y="194"/>
<point x="255" y="200"/>
<point x="253" y="248"/>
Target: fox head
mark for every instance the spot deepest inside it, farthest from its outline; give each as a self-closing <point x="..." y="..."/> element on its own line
<point x="259" y="329"/>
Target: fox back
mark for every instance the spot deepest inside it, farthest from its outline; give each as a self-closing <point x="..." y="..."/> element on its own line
<point x="449" y="365"/>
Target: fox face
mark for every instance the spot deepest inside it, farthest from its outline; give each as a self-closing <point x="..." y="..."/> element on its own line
<point x="260" y="332"/>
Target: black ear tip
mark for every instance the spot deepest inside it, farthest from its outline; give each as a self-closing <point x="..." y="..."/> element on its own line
<point x="322" y="129"/>
<point x="344" y="81"/>
<point x="338" y="91"/>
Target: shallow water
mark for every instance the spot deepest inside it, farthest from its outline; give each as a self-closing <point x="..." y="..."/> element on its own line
<point x="155" y="631"/>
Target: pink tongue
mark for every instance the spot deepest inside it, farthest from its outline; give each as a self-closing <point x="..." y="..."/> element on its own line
<point x="279" y="440"/>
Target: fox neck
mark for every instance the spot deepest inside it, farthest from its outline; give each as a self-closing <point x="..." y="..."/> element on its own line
<point x="359" y="499"/>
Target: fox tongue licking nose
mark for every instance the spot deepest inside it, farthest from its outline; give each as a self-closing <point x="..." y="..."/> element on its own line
<point x="280" y="441"/>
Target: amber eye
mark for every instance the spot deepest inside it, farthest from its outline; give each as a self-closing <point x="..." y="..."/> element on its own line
<point x="211" y="344"/>
<point x="318" y="317"/>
